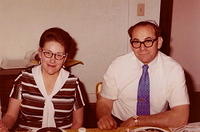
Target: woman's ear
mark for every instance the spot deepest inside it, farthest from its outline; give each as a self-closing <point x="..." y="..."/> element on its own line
<point x="65" y="59"/>
<point x="160" y="42"/>
<point x="40" y="53"/>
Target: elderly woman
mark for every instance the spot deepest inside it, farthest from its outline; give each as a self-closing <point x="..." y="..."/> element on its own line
<point x="46" y="95"/>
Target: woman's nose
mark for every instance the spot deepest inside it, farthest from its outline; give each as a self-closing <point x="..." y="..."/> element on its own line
<point x="53" y="59"/>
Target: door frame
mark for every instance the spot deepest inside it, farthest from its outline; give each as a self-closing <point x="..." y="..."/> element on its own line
<point x="166" y="9"/>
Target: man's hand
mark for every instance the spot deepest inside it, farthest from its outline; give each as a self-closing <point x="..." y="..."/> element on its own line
<point x="129" y="123"/>
<point x="107" y="122"/>
<point x="103" y="109"/>
<point x="175" y="117"/>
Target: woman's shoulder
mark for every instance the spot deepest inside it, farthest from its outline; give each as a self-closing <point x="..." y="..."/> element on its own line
<point x="72" y="77"/>
<point x="28" y="69"/>
<point x="24" y="73"/>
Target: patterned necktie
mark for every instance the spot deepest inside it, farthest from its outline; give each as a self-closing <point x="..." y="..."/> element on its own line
<point x="143" y="100"/>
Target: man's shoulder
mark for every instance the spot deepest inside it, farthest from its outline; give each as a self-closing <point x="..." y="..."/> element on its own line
<point x="168" y="61"/>
<point x="124" y="58"/>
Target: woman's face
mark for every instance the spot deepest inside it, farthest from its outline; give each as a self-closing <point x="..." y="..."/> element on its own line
<point x="52" y="57"/>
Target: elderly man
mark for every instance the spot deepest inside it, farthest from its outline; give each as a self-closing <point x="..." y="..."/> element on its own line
<point x="139" y="87"/>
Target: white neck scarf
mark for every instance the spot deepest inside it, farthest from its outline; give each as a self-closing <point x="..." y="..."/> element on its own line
<point x="49" y="111"/>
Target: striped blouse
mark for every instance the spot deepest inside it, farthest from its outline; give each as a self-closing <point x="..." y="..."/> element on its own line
<point x="68" y="99"/>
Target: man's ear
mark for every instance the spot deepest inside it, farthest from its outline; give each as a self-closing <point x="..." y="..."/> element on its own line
<point x="160" y="42"/>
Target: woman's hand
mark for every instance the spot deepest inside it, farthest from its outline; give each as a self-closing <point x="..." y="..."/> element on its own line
<point x="3" y="128"/>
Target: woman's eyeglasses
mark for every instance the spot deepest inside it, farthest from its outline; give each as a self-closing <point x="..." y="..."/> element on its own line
<point x="57" y="56"/>
<point x="147" y="43"/>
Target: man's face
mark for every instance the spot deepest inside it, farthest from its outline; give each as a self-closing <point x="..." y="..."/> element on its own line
<point x="142" y="33"/>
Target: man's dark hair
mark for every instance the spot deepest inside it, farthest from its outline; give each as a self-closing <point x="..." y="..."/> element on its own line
<point x="145" y="23"/>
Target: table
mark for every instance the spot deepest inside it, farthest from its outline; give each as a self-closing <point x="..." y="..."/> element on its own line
<point x="99" y="130"/>
<point x="120" y="129"/>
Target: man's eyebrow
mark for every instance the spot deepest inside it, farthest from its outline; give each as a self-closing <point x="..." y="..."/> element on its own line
<point x="135" y="39"/>
<point x="149" y="37"/>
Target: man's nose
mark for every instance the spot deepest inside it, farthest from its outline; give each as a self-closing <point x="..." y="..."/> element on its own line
<point x="142" y="46"/>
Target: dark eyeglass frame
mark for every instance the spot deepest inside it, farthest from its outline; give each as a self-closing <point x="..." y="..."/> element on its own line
<point x="49" y="54"/>
<point x="147" y="43"/>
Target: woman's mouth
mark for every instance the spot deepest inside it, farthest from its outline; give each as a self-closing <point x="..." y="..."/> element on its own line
<point x="51" y="65"/>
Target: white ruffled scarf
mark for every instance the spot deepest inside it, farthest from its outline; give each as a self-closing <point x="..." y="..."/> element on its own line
<point x="49" y="111"/>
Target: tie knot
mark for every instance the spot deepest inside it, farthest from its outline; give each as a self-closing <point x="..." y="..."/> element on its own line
<point x="145" y="67"/>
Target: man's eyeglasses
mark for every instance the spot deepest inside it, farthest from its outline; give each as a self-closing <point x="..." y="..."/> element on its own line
<point x="57" y="56"/>
<point x="147" y="43"/>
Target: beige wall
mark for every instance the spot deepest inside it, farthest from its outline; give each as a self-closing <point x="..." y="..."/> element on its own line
<point x="98" y="26"/>
<point x="185" y="37"/>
